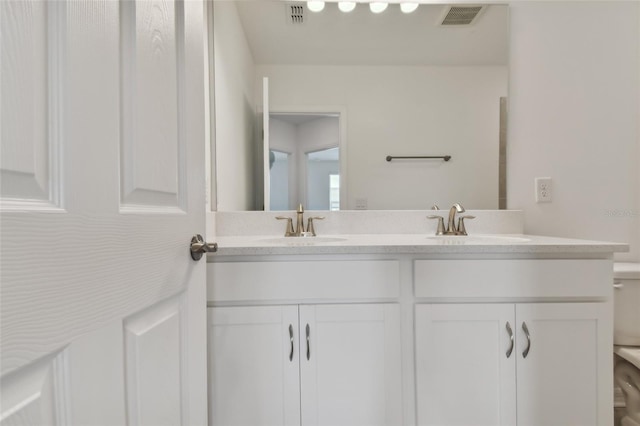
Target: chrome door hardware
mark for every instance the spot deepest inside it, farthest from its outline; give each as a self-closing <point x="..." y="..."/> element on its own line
<point x="308" y="330"/>
<point x="510" y="331"/>
<point x="199" y="246"/>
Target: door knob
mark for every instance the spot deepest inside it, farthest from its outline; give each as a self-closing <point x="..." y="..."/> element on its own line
<point x="198" y="246"/>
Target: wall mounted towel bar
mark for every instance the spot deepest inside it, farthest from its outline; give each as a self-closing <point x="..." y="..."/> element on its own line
<point x="443" y="157"/>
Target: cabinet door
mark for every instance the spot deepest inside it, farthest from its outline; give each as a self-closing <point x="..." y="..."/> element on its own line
<point x="463" y="373"/>
<point x="254" y="376"/>
<point x="565" y="379"/>
<point x="351" y="367"/>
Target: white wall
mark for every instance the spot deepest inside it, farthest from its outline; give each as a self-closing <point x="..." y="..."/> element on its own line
<point x="318" y="134"/>
<point x="407" y="111"/>
<point x="235" y="111"/>
<point x="573" y="115"/>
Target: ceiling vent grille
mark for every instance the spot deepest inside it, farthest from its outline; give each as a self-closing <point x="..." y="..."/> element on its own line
<point x="461" y="15"/>
<point x="295" y="13"/>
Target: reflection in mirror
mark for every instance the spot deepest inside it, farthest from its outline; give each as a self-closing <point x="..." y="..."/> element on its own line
<point x="323" y="179"/>
<point x="307" y="145"/>
<point x="406" y="85"/>
<point x="279" y="175"/>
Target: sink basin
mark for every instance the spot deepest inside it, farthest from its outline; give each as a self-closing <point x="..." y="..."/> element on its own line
<point x="478" y="239"/>
<point x="303" y="241"/>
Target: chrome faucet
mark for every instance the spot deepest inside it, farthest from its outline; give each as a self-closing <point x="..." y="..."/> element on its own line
<point x="299" y="230"/>
<point x="451" y="228"/>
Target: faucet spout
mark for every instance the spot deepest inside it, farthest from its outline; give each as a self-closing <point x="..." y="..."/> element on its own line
<point x="300" y="220"/>
<point x="451" y="226"/>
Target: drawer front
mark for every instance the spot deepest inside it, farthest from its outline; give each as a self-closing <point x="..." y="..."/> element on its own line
<point x="307" y="280"/>
<point x="522" y="278"/>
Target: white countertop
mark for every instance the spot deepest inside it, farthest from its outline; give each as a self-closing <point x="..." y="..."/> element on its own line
<point x="409" y="244"/>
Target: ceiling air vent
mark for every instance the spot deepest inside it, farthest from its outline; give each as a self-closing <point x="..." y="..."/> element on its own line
<point x="295" y="13"/>
<point x="461" y="15"/>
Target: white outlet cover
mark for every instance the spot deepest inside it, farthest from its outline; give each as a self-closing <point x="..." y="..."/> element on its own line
<point x="361" y="204"/>
<point x="543" y="190"/>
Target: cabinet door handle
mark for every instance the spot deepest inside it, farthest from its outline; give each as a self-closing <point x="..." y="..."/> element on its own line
<point x="526" y="333"/>
<point x="510" y="331"/>
<point x="308" y="330"/>
<point x="291" y="340"/>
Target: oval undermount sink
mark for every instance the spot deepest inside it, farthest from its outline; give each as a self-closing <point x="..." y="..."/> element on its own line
<point x="303" y="241"/>
<point x="478" y="239"/>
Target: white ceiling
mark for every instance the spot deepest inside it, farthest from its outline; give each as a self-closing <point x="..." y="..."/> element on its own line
<point x="360" y="37"/>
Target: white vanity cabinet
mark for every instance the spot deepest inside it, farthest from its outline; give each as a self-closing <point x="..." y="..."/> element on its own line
<point x="254" y="376"/>
<point x="462" y="374"/>
<point x="465" y="357"/>
<point x="525" y="364"/>
<point x="305" y="360"/>
<point x="408" y="339"/>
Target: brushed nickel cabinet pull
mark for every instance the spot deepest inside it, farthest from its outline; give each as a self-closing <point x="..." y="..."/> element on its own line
<point x="526" y="333"/>
<point x="291" y="340"/>
<point x="308" y="330"/>
<point x="510" y="331"/>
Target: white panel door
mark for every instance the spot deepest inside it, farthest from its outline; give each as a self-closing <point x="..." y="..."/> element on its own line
<point x="564" y="377"/>
<point x="465" y="364"/>
<point x="103" y="311"/>
<point x="254" y="376"/>
<point x="350" y="365"/>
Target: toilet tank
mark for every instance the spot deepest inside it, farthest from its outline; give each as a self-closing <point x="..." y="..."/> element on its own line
<point x="626" y="302"/>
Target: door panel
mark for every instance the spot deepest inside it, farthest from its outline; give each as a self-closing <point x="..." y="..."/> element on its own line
<point x="102" y="116"/>
<point x="353" y="355"/>
<point x="29" y="159"/>
<point x="559" y="382"/>
<point x="37" y="394"/>
<point x="152" y="157"/>
<point x="253" y="366"/>
<point x="154" y="356"/>
<point x="461" y="359"/>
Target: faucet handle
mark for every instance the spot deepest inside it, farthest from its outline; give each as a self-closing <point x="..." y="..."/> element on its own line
<point x="440" y="230"/>
<point x="310" y="227"/>
<point x="289" y="231"/>
<point x="461" y="228"/>
<point x="435" y="207"/>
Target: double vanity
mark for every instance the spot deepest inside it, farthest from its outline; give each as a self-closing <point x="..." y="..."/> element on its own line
<point x="390" y="324"/>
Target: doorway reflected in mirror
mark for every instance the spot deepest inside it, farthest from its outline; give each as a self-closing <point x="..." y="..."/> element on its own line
<point x="304" y="160"/>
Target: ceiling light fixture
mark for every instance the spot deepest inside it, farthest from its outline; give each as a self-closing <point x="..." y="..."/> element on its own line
<point x="408" y="7"/>
<point x="346" y="6"/>
<point x="378" y="6"/>
<point x="315" y="5"/>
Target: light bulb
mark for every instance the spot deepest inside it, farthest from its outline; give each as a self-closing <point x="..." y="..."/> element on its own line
<point x="408" y="7"/>
<point x="378" y="6"/>
<point x="315" y="5"/>
<point x="346" y="6"/>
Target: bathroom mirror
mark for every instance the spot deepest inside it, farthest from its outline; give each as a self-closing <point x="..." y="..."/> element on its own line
<point x="399" y="84"/>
